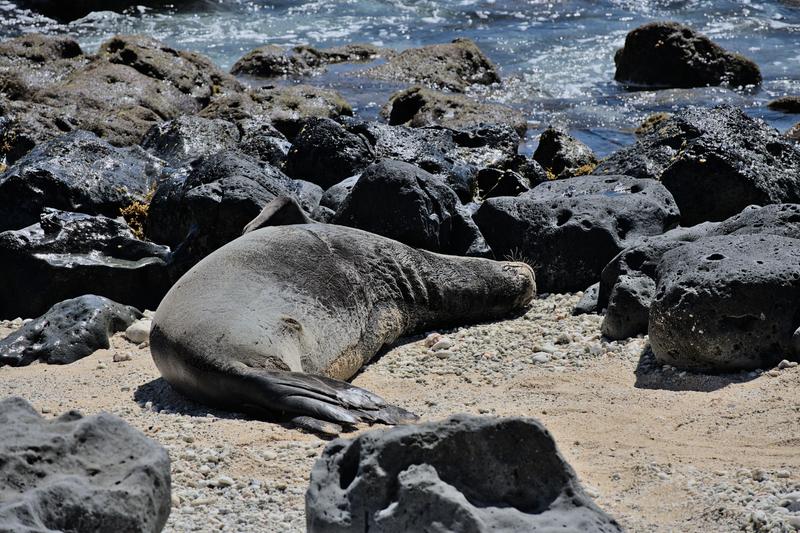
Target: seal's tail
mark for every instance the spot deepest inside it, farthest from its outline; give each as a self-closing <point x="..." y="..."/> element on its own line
<point x="320" y="403"/>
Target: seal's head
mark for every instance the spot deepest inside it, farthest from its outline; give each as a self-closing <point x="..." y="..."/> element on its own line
<point x="524" y="280"/>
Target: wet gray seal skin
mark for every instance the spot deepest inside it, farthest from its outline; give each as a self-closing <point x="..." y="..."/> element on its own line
<point x="273" y="321"/>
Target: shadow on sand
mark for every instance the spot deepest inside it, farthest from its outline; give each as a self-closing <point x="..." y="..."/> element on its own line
<point x="650" y="374"/>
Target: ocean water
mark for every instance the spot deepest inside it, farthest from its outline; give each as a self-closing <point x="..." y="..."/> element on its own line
<point x="556" y="57"/>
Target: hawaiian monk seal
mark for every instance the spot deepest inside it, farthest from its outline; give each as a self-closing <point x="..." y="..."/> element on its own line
<point x="274" y="319"/>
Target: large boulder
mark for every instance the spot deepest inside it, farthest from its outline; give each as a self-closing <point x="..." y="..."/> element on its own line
<point x="191" y="73"/>
<point x="403" y="202"/>
<point x="76" y="473"/>
<point x="563" y="156"/>
<point x="453" y="66"/>
<point x="34" y="61"/>
<point x="628" y="281"/>
<point x="271" y="61"/>
<point x="71" y="254"/>
<point x="568" y="230"/>
<point x="728" y="303"/>
<point x="714" y="162"/>
<point x="325" y="153"/>
<point x="75" y="172"/>
<point x="213" y="198"/>
<point x="669" y="54"/>
<point x="287" y="107"/>
<point x="186" y="138"/>
<point x="68" y="331"/>
<point x="468" y="474"/>
<point x="418" y="107"/>
<point x="785" y="104"/>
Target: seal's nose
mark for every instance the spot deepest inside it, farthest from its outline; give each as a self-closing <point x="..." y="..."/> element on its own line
<point x="525" y="275"/>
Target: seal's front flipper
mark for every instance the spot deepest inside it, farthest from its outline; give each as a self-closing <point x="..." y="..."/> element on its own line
<point x="317" y="398"/>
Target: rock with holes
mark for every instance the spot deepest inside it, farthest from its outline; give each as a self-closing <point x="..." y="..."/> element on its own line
<point x="588" y="302"/>
<point x="403" y="202"/>
<point x="212" y="199"/>
<point x="714" y="162"/>
<point x="452" y="66"/>
<point x="76" y="473"/>
<point x="418" y="107"/>
<point x="728" y="303"/>
<point x="272" y="61"/>
<point x="466" y="473"/>
<point x="563" y="156"/>
<point x="188" y="137"/>
<point x="68" y="331"/>
<point x="628" y="281"/>
<point x="669" y="54"/>
<point x="570" y="229"/>
<point x="455" y="155"/>
<point x="325" y="153"/>
<point x="67" y="255"/>
<point x="75" y="172"/>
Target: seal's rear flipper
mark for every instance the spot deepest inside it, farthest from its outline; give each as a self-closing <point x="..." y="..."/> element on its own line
<point x="317" y="398"/>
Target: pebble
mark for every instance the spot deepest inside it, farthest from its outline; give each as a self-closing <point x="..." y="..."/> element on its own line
<point x="540" y="357"/>
<point x="787" y="364"/>
<point x="139" y="331"/>
<point x="444" y="343"/>
<point x="122" y="356"/>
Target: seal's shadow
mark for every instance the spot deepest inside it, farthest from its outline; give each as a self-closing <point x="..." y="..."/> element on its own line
<point x="163" y="397"/>
<point x="650" y="375"/>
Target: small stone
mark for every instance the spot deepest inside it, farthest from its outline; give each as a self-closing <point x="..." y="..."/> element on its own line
<point x="783" y="474"/>
<point x="444" y="343"/>
<point x="432" y="339"/>
<point x="101" y="366"/>
<point x="759" y="475"/>
<point x="540" y="358"/>
<point x="787" y="364"/>
<point x="564" y="338"/>
<point x="46" y="410"/>
<point x="139" y="331"/>
<point x="120" y="357"/>
<point x="591" y="492"/>
<point x="176" y="500"/>
<point x="774" y="373"/>
<point x="223" y="481"/>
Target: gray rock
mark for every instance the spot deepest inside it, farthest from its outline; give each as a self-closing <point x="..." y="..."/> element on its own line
<point x="669" y="54"/>
<point x="785" y="104"/>
<point x="67" y="255"/>
<point x="727" y="303"/>
<point x="76" y="473"/>
<point x="454" y="66"/>
<point x="139" y="331"/>
<point x="32" y="62"/>
<point x="563" y="156"/>
<point x="466" y="473"/>
<point x="403" y="202"/>
<point x="68" y="331"/>
<point x="570" y="229"/>
<point x="335" y="195"/>
<point x="261" y="140"/>
<point x="714" y="162"/>
<point x="629" y="315"/>
<point x="271" y="61"/>
<point x="588" y="302"/>
<point x="419" y="107"/>
<point x="310" y="194"/>
<point x="75" y="172"/>
<point x="188" y="137"/>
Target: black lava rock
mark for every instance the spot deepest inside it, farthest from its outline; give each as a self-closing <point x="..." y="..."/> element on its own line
<point x="325" y="153"/>
<point x="67" y="255"/>
<point x="563" y="156"/>
<point x="568" y="230"/>
<point x="714" y="162"/>
<point x="668" y="54"/>
<point x="213" y="198"/>
<point x="466" y="473"/>
<point x="728" y="303"/>
<point x="76" y="473"/>
<point x="186" y="138"/>
<point x="403" y="202"/>
<point x="68" y="331"/>
<point x="75" y="172"/>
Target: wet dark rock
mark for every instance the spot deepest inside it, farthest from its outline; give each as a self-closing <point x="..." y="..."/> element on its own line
<point x="727" y="303"/>
<point x="669" y="54"/>
<point x="261" y="140"/>
<point x="67" y="255"/>
<point x="563" y="156"/>
<point x="334" y="197"/>
<point x="466" y="473"/>
<point x="325" y="153"/>
<point x="455" y="155"/>
<point x="75" y="9"/>
<point x="273" y="61"/>
<point x="75" y="172"/>
<point x="588" y="302"/>
<point x="628" y="307"/>
<point x="786" y="104"/>
<point x="454" y="66"/>
<point x="652" y="123"/>
<point x="76" y="473"/>
<point x="310" y="194"/>
<point x="34" y="61"/>
<point x="714" y="162"/>
<point x="282" y="211"/>
<point x="568" y="230"/>
<point x="189" y="72"/>
<point x="68" y="331"/>
<point x="495" y="182"/>
<point x="24" y="125"/>
<point x="213" y="198"/>
<point x="418" y="107"/>
<point x="287" y="107"/>
<point x="188" y="137"/>
<point x="403" y="202"/>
